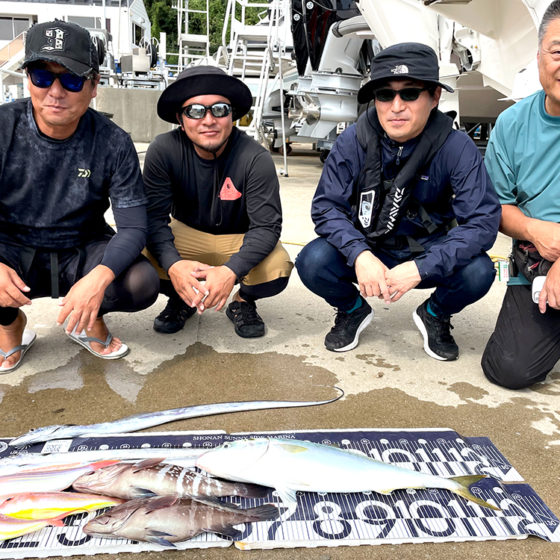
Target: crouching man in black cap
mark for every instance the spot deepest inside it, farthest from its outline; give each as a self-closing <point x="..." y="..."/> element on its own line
<point x="404" y="202"/>
<point x="61" y="164"/>
<point x="221" y="189"/>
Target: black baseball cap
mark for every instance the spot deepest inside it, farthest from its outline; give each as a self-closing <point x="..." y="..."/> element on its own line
<point x="62" y="42"/>
<point x="414" y="61"/>
<point x="204" y="80"/>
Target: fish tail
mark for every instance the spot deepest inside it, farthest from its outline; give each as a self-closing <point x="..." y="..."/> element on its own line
<point x="265" y="512"/>
<point x="463" y="489"/>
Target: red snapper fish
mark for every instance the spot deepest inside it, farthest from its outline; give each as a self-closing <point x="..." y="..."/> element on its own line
<point x="165" y="520"/>
<point x="152" y="477"/>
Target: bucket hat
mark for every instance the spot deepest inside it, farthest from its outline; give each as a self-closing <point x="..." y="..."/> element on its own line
<point x="414" y="61"/>
<point x="62" y="42"/>
<point x="203" y="80"/>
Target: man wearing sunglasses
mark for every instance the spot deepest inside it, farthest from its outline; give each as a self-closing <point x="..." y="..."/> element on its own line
<point x="221" y="190"/>
<point x="404" y="202"/>
<point x="61" y="165"/>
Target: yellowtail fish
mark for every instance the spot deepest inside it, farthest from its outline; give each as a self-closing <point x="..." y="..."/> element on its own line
<point x="165" y="520"/>
<point x="150" y="419"/>
<point x="48" y="505"/>
<point x="47" y="480"/>
<point x="154" y="478"/>
<point x="10" y="527"/>
<point x="291" y="465"/>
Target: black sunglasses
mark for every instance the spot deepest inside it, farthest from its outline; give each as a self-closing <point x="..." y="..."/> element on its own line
<point x="42" y="78"/>
<point x="198" y="111"/>
<point x="406" y="94"/>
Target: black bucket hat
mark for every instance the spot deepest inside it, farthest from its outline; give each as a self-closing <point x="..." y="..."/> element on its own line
<point x="203" y="80"/>
<point x="65" y="43"/>
<point x="414" y="61"/>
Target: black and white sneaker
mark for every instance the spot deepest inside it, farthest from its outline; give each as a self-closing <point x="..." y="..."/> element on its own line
<point x="438" y="342"/>
<point x="174" y="316"/>
<point x="345" y="333"/>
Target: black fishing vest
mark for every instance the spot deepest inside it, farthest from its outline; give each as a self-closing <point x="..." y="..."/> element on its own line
<point x="381" y="204"/>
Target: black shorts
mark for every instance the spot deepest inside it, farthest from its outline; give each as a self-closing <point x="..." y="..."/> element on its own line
<point x="50" y="272"/>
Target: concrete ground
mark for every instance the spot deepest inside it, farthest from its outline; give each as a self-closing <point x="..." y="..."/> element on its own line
<point x="389" y="383"/>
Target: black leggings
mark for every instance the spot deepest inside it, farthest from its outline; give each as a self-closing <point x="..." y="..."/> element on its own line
<point x="135" y="289"/>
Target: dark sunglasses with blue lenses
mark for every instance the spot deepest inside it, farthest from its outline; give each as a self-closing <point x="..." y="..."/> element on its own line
<point x="406" y="94"/>
<point x="42" y="78"/>
<point x="198" y="111"/>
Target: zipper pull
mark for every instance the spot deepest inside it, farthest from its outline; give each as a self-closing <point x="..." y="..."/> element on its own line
<point x="399" y="153"/>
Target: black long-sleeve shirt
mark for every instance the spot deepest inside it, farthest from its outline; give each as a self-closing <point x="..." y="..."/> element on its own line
<point x="238" y="192"/>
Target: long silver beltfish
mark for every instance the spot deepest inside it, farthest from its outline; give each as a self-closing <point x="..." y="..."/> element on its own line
<point x="165" y="520"/>
<point x="149" y="419"/>
<point x="152" y="477"/>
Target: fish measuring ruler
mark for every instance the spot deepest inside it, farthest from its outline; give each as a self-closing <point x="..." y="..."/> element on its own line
<point x="334" y="519"/>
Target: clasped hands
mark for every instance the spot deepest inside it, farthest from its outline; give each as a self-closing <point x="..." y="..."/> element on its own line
<point x="377" y="280"/>
<point x="201" y="285"/>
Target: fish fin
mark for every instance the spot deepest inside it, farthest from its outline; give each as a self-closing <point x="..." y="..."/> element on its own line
<point x="158" y="537"/>
<point x="100" y="464"/>
<point x="286" y="495"/>
<point x="251" y="490"/>
<point x="160" y="502"/>
<point x="293" y="447"/>
<point x="141" y="493"/>
<point x="147" y="464"/>
<point x="228" y="532"/>
<point x="58" y="521"/>
<point x="266" y="512"/>
<point x="216" y="503"/>
<point x="463" y="489"/>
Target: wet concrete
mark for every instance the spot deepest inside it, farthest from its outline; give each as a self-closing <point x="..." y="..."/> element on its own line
<point x="389" y="383"/>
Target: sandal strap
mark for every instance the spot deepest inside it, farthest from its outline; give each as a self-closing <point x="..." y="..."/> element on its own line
<point x="19" y="348"/>
<point x="93" y="339"/>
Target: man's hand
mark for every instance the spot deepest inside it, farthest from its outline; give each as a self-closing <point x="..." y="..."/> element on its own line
<point x="12" y="288"/>
<point x="370" y="272"/>
<point x="220" y="281"/>
<point x="546" y="238"/>
<point x="402" y="278"/>
<point x="550" y="293"/>
<point x="190" y="289"/>
<point x="84" y="299"/>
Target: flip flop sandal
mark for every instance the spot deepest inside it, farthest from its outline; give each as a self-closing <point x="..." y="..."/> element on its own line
<point x="27" y="341"/>
<point x="83" y="340"/>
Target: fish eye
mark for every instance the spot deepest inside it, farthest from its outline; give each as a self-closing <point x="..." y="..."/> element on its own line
<point x="226" y="445"/>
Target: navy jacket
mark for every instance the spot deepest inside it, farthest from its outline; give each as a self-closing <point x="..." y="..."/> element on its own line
<point x="455" y="184"/>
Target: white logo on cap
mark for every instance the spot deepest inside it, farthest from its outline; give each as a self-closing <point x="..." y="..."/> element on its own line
<point x="400" y="69"/>
<point x="55" y="39"/>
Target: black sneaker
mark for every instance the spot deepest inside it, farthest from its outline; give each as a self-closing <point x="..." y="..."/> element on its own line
<point x="438" y="342"/>
<point x="246" y="320"/>
<point x="345" y="333"/>
<point x="173" y="317"/>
